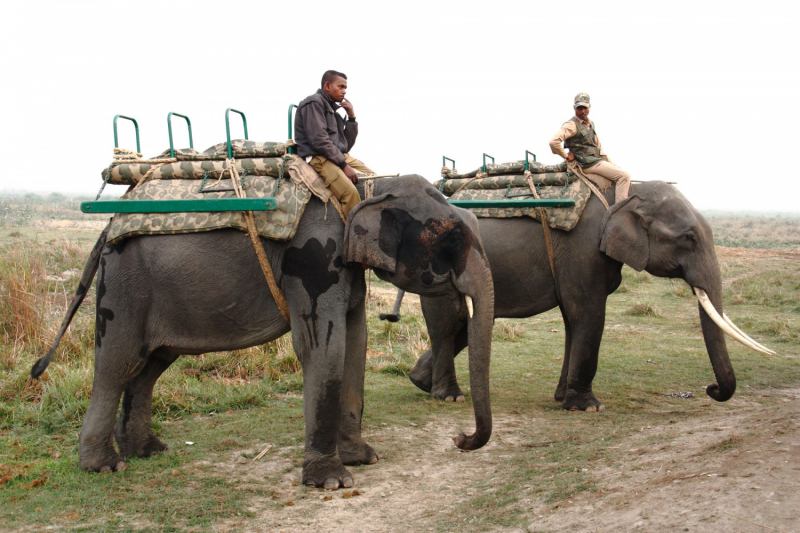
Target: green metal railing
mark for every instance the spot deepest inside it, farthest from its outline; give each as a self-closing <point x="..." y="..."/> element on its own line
<point x="228" y="128"/>
<point x="291" y="149"/>
<point x="180" y="206"/>
<point x="169" y="126"/>
<point x="482" y="204"/>
<point x="135" y="125"/>
<point x="508" y="201"/>
<point x="527" y="153"/>
<point x="484" y="161"/>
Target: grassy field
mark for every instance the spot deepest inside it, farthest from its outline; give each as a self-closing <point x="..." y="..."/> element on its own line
<point x="231" y="406"/>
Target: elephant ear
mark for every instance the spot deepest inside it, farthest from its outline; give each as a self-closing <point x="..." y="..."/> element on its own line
<point x="372" y="234"/>
<point x="625" y="234"/>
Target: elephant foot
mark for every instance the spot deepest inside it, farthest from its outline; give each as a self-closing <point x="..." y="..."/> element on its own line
<point x="576" y="401"/>
<point x="449" y="393"/>
<point x="129" y="447"/>
<point x="326" y="472"/>
<point x="105" y="461"/>
<point x="422" y="373"/>
<point x="356" y="453"/>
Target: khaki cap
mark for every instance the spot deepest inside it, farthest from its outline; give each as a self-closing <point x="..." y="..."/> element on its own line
<point x="582" y="100"/>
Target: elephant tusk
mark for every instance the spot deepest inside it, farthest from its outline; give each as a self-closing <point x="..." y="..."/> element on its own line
<point x="702" y="297"/>
<point x="745" y="335"/>
<point x="470" y="309"/>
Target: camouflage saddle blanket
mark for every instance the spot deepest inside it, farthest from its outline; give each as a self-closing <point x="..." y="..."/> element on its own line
<point x="553" y="184"/>
<point x="293" y="184"/>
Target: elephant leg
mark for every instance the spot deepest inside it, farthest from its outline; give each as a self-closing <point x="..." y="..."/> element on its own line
<point x="320" y="347"/>
<point x="561" y="389"/>
<point x="111" y="375"/>
<point x="351" y="447"/>
<point x="435" y="371"/>
<point x="585" y="327"/>
<point x="133" y="433"/>
<point x="445" y="384"/>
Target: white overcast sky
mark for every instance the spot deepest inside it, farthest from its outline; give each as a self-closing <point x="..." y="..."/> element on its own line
<point x="704" y="93"/>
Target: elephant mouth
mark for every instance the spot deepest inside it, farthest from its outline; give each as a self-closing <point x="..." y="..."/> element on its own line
<point x="727" y="325"/>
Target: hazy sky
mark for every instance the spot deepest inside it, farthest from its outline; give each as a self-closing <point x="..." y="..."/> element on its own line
<point x="704" y="93"/>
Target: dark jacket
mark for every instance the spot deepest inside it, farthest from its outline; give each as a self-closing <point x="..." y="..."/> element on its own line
<point x="319" y="130"/>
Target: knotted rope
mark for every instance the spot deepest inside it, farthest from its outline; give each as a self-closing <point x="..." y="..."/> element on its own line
<point x="478" y="176"/>
<point x="258" y="246"/>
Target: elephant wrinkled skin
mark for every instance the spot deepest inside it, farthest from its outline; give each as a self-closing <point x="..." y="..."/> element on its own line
<point x="159" y="297"/>
<point x="656" y="229"/>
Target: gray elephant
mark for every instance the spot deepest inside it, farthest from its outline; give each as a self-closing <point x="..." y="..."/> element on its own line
<point x="159" y="297"/>
<point x="655" y="229"/>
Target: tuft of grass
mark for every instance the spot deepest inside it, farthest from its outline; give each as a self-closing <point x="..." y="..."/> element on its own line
<point x="644" y="309"/>
<point x="507" y="329"/>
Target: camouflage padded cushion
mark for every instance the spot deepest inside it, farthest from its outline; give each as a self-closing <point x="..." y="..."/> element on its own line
<point x="450" y="186"/>
<point x="514" y="167"/>
<point x="280" y="224"/>
<point x="132" y="173"/>
<point x="563" y="218"/>
<point x="240" y="148"/>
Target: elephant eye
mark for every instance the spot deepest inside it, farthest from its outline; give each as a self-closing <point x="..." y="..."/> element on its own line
<point x="688" y="240"/>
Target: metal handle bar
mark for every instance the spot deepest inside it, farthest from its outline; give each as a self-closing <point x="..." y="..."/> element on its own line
<point x="135" y="125"/>
<point x="527" y="153"/>
<point x="484" y="161"/>
<point x="169" y="125"/>
<point x="228" y="128"/>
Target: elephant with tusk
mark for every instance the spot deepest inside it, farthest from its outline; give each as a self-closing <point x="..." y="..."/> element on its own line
<point x="163" y="296"/>
<point x="656" y="229"/>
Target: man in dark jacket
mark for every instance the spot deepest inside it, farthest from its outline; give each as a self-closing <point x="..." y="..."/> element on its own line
<point x="324" y="139"/>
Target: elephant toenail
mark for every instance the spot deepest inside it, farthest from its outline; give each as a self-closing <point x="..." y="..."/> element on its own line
<point x="331" y="484"/>
<point x="601" y="408"/>
<point x="120" y="466"/>
<point x="461" y="399"/>
<point x="347" y="482"/>
<point x="105" y="470"/>
<point x="373" y="460"/>
<point x="448" y="399"/>
<point x="591" y="409"/>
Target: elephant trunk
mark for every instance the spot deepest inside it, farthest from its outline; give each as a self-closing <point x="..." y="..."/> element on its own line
<point x="475" y="283"/>
<point x="714" y="338"/>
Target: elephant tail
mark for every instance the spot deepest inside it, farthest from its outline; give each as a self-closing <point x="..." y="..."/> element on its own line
<point x="83" y="287"/>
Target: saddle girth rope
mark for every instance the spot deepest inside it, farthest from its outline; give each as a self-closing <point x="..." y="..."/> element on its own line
<point x="258" y="246"/>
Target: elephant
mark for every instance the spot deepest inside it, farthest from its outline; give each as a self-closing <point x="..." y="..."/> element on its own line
<point x="162" y="296"/>
<point x="655" y="229"/>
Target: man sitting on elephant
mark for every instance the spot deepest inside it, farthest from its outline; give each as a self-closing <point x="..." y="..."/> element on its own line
<point x="324" y="139"/>
<point x="578" y="134"/>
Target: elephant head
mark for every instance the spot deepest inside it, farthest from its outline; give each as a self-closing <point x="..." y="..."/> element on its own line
<point x="656" y="229"/>
<point x="413" y="238"/>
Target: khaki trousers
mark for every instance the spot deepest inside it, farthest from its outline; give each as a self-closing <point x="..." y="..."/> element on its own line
<point x="337" y="182"/>
<point x="612" y="172"/>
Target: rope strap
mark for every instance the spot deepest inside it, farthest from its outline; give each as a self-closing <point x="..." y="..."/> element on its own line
<point x="258" y="246"/>
<point x="369" y="189"/>
<point x="548" y="237"/>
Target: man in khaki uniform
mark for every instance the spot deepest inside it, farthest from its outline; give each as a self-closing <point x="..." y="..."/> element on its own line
<point x="578" y="134"/>
<point x="324" y="139"/>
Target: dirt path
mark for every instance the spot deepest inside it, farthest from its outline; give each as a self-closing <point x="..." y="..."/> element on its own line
<point x="727" y="474"/>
